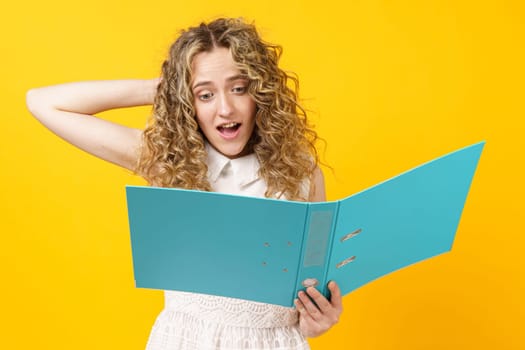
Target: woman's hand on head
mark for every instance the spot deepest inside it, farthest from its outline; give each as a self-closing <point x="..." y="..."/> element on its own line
<point x="68" y="111"/>
<point x="316" y="313"/>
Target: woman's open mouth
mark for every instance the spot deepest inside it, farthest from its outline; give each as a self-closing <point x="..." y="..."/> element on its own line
<point x="229" y="130"/>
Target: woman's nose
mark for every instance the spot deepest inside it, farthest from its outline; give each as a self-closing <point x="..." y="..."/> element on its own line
<point x="225" y="106"/>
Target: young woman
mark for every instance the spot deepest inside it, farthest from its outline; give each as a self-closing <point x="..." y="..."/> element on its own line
<point x="225" y="119"/>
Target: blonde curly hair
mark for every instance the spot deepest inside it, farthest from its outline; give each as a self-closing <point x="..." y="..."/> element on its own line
<point x="173" y="150"/>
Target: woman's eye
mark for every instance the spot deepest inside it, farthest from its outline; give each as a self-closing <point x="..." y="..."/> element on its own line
<point x="206" y="96"/>
<point x="239" y="89"/>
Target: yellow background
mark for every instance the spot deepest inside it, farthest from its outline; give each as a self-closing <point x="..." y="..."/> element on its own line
<point x="390" y="84"/>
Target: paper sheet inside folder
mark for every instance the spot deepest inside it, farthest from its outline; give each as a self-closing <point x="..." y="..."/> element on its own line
<point x="263" y="249"/>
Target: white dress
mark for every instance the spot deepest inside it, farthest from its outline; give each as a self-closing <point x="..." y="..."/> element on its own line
<point x="193" y="321"/>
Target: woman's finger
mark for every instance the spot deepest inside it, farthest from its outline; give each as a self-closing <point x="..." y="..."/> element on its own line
<point x="323" y="304"/>
<point x="309" y="306"/>
<point x="336" y="299"/>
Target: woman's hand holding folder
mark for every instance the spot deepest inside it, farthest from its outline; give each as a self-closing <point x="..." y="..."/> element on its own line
<point x="316" y="313"/>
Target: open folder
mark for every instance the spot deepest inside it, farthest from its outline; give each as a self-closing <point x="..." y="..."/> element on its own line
<point x="266" y="250"/>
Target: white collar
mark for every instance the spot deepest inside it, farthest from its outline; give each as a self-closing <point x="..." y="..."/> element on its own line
<point x="245" y="168"/>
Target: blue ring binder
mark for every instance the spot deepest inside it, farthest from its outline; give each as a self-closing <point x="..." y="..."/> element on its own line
<point x="273" y="246"/>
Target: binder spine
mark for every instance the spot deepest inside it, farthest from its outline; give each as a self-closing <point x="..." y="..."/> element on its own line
<point x="328" y="260"/>
<point x="317" y="243"/>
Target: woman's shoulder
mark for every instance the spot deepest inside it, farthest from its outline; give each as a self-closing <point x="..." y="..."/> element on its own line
<point x="317" y="192"/>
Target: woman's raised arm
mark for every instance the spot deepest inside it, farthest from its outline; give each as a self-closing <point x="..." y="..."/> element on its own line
<point x="67" y="110"/>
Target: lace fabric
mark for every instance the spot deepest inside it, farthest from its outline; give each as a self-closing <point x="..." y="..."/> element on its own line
<point x="193" y="321"/>
<point x="230" y="311"/>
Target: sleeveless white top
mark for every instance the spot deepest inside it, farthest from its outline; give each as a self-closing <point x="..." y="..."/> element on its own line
<point x="192" y="321"/>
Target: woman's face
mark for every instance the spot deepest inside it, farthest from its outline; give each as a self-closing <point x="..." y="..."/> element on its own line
<point x="225" y="111"/>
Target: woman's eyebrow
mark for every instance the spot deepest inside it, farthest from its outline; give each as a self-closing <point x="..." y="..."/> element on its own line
<point x="237" y="77"/>
<point x="201" y="83"/>
<point x="229" y="79"/>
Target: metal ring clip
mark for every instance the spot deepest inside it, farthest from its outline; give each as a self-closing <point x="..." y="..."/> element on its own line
<point x="346" y="261"/>
<point x="350" y="235"/>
